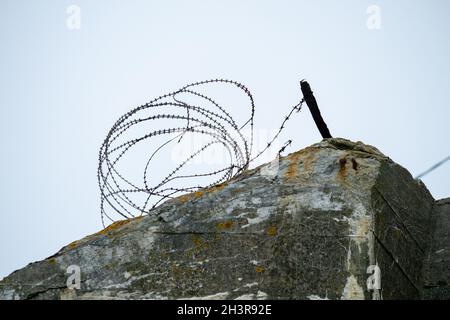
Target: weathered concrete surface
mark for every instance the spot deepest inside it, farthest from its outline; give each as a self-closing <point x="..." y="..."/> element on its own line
<point x="437" y="270"/>
<point x="306" y="226"/>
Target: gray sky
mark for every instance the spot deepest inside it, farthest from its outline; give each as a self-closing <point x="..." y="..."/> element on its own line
<point x="62" y="88"/>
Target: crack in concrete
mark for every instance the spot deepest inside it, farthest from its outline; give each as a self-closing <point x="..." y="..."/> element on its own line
<point x="400" y="220"/>
<point x="394" y="261"/>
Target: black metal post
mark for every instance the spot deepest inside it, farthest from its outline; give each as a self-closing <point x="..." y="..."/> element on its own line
<point x="314" y="108"/>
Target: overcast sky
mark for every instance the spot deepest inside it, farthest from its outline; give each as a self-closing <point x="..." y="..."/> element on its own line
<point x="379" y="69"/>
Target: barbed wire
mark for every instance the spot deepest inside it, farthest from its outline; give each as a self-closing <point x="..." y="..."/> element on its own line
<point x="122" y="197"/>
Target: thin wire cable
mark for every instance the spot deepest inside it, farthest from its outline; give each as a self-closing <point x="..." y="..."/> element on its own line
<point x="432" y="168"/>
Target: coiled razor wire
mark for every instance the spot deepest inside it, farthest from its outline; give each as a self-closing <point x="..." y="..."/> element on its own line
<point x="122" y="197"/>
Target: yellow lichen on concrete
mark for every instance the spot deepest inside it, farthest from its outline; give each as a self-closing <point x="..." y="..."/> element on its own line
<point x="199" y="193"/>
<point x="73" y="244"/>
<point x="190" y="196"/>
<point x="259" y="269"/>
<point x="224" y="225"/>
<point x="198" y="242"/>
<point x="307" y="156"/>
<point x="216" y="188"/>
<point x="309" y="160"/>
<point x="184" y="198"/>
<point x="291" y="171"/>
<point x="272" y="231"/>
<point x="115" y="225"/>
<point x="107" y="231"/>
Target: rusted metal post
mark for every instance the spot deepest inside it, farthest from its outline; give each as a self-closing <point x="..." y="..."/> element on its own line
<point x="314" y="108"/>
